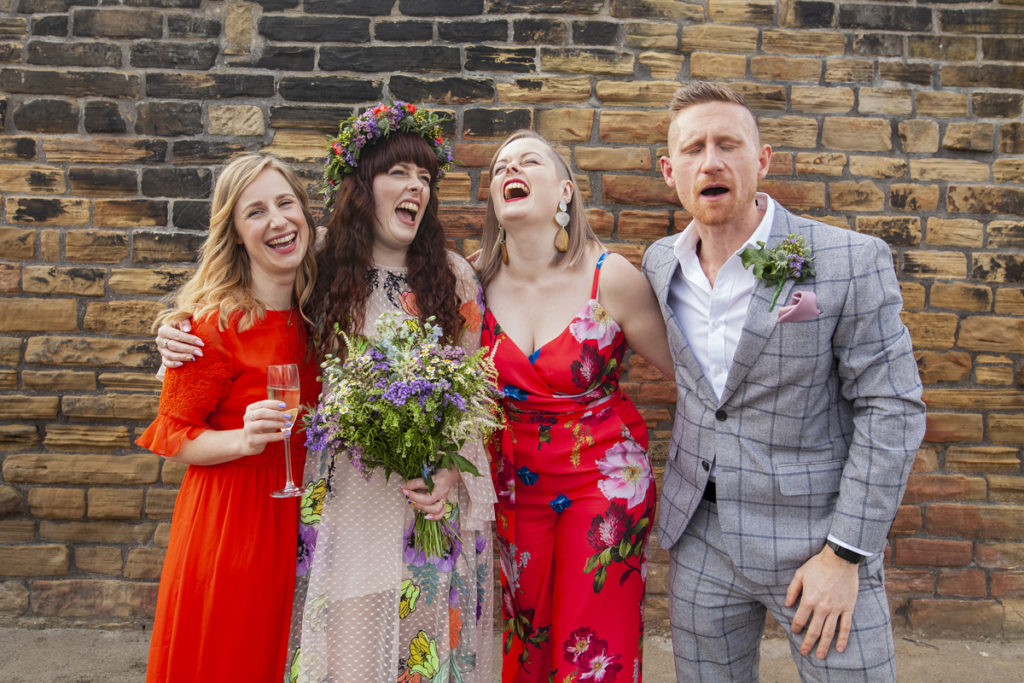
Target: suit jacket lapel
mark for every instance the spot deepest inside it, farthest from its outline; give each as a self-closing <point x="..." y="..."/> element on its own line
<point x="761" y="322"/>
<point x="663" y="271"/>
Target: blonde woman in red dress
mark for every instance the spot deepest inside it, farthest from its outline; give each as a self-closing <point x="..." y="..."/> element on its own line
<point x="575" y="489"/>
<point x="225" y="597"/>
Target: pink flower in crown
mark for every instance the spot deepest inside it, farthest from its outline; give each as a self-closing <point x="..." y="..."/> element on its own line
<point x="594" y="323"/>
<point x="627" y="472"/>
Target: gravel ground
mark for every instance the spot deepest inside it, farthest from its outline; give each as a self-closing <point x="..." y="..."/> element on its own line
<point x="90" y="655"/>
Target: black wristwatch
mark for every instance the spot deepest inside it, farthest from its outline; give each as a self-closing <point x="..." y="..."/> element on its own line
<point x="845" y="553"/>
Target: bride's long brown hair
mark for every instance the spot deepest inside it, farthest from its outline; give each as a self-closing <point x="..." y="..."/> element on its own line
<point x="342" y="289"/>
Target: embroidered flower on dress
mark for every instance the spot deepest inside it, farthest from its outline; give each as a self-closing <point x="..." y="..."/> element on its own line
<point x="627" y="472"/>
<point x="594" y="323"/>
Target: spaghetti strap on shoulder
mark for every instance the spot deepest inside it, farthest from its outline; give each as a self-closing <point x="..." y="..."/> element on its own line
<point x="597" y="274"/>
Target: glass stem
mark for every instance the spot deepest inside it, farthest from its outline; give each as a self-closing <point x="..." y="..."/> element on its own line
<point x="288" y="483"/>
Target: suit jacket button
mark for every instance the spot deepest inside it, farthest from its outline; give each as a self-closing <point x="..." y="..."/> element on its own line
<point x="720" y="415"/>
<point x="705" y="464"/>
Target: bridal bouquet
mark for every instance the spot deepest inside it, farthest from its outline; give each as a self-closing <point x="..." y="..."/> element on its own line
<point x="405" y="402"/>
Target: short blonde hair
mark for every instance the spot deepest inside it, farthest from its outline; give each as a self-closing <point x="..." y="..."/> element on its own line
<point x="223" y="278"/>
<point x="580" y="232"/>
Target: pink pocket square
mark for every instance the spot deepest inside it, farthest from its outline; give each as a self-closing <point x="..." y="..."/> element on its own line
<point x="803" y="306"/>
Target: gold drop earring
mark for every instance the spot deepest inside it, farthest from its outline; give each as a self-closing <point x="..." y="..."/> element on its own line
<point x="501" y="241"/>
<point x="562" y="236"/>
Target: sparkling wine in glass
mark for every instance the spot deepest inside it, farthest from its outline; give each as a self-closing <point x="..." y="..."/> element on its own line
<point x="283" y="385"/>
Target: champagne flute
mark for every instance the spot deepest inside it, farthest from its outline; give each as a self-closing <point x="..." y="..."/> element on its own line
<point x="283" y="385"/>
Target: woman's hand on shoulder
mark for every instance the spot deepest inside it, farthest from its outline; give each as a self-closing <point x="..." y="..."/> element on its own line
<point x="176" y="345"/>
<point x="627" y="296"/>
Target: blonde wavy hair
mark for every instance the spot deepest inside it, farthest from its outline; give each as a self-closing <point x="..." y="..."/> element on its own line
<point x="222" y="281"/>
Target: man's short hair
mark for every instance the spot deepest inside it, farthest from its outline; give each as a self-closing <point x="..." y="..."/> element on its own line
<point x="701" y="92"/>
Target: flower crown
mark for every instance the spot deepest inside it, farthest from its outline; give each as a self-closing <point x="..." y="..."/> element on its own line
<point x="357" y="132"/>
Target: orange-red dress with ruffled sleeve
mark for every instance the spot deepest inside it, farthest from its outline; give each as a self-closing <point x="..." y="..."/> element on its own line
<point x="225" y="594"/>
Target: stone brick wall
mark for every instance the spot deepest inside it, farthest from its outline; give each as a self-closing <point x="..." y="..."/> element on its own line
<point x="900" y="119"/>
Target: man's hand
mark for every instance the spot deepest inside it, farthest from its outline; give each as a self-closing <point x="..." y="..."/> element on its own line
<point x="827" y="588"/>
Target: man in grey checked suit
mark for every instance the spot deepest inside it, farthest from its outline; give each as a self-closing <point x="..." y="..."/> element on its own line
<point x="796" y="423"/>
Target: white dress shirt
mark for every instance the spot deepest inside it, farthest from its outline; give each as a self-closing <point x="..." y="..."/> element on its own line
<point x="712" y="318"/>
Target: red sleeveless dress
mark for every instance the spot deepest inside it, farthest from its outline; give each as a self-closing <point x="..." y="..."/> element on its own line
<point x="575" y="505"/>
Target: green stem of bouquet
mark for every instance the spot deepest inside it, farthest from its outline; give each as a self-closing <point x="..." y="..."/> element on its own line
<point x="433" y="536"/>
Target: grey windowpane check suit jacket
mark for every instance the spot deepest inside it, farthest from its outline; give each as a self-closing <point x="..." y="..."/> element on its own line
<point x="819" y="421"/>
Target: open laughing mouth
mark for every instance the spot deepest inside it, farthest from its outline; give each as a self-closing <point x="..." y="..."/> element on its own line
<point x="515" y="189"/>
<point x="407" y="211"/>
<point x="284" y="241"/>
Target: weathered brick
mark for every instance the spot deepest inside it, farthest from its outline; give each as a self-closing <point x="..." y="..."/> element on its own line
<point x="941" y="48"/>
<point x="948" y="366"/>
<point x="886" y="101"/>
<point x="94" y="598"/>
<point x="984" y="333"/>
<point x="904" y="231"/>
<point x="634" y="189"/>
<point x="795" y="195"/>
<point x="144" y="563"/>
<point x="741" y="12"/>
<point x="542" y="90"/>
<point x="1005" y="428"/>
<point x="613" y="158"/>
<point x="493" y="123"/>
<point x="998" y="267"/>
<point x="866" y="196"/>
<point x="953" y="428"/>
<point x="17" y="531"/>
<point x="926" y="488"/>
<point x="849" y="71"/>
<point x="788" y="131"/>
<point x="996" y="522"/>
<point x="994" y="375"/>
<point x="792" y="42"/>
<point x="565" y="125"/>
<point x="156" y="247"/>
<point x="914" y="197"/>
<point x="1008" y="171"/>
<point x="940" y="104"/>
<point x="918" y="73"/>
<point x="878" y="45"/>
<point x="907" y="520"/>
<point x="159" y="280"/>
<point x="1011" y="138"/>
<point x="77" y="54"/>
<point x="11" y="502"/>
<point x="931" y="330"/>
<point x="919" y="136"/>
<point x="163" y="54"/>
<point x="954" y="232"/>
<point x="720" y="38"/>
<point x="1009" y="584"/>
<point x="25" y="407"/>
<point x="57" y="212"/>
<point x="443" y="90"/>
<point x="1005" y="234"/>
<point x="761" y="96"/>
<point x="643" y="225"/>
<point x="117" y="23"/>
<point x="114" y="503"/>
<point x="46" y="468"/>
<point x="650" y="35"/>
<point x="961" y="296"/>
<point x="160" y="503"/>
<point x="18" y="436"/>
<point x="324" y="119"/>
<point x="717" y="65"/>
<point x="102" y="182"/>
<point x="981" y="76"/>
<point x="202" y="86"/>
<point x="824" y="163"/>
<point x="860" y="134"/>
<point x="1006" y="21"/>
<point x="661" y="64"/>
<point x="969" y="137"/>
<point x="632" y="127"/>
<point x="637" y="93"/>
<point x="962" y="583"/>
<point x="34" y="560"/>
<point x="997" y="105"/>
<point x="96" y="246"/>
<point x="664" y="9"/>
<point x="594" y="32"/>
<point x="877" y="167"/>
<point x="99" y="560"/>
<point x="91" y="437"/>
<point x="931" y="552"/>
<point x="946" y="264"/>
<point x="104" y="150"/>
<point x="996" y="555"/>
<point x="37" y="315"/>
<point x="594" y="61"/>
<point x="57" y="503"/>
<point x="110" y="407"/>
<point x="13" y="598"/>
<point x="774" y="68"/>
<point x="69" y="83"/>
<point x="58" y="380"/>
<point x="948" y="169"/>
<point x="970" y="399"/>
<point x="913" y="295"/>
<point x="121" y="317"/>
<point x="909" y="582"/>
<point x="1006" y="488"/>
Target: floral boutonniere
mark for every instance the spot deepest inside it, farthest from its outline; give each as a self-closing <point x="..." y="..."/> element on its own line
<point x="790" y="260"/>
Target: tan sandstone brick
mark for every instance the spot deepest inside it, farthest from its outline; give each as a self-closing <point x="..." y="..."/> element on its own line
<point x="720" y="38"/>
<point x="655" y="94"/>
<point x="102" y="559"/>
<point x="565" y="125"/>
<point x="856" y="196"/>
<point x="52" y="468"/>
<point x="57" y="503"/>
<point x="919" y="136"/>
<point x="953" y="428"/>
<point x="543" y="90"/>
<point x="632" y="127"/>
<point x="819" y="100"/>
<point x="878" y="167"/>
<point x="945" y="264"/>
<point x="661" y="64"/>
<point x="788" y="131"/>
<point x="961" y="296"/>
<point x="38" y="315"/>
<point x="33" y="560"/>
<point x="803" y="42"/>
<point x="856" y="134"/>
<point x="717" y="65"/>
<point x="651" y="35"/>
<point x="90" y="351"/>
<point x="931" y="330"/>
<point x="885" y="101"/>
<point x="114" y="503"/>
<point x="236" y="120"/>
<point x="906" y="197"/>
<point x="954" y="232"/>
<point x="94" y="598"/>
